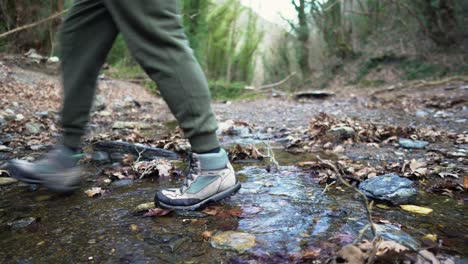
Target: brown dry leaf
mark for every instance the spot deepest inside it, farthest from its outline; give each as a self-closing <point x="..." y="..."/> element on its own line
<point x="95" y="192"/>
<point x="248" y="152"/>
<point x="212" y="210"/>
<point x="207" y="235"/>
<point x="465" y="182"/>
<point x="159" y="167"/>
<point x="157" y="212"/>
<point x="414" y="165"/>
<point x="311" y="253"/>
<point x="388" y="247"/>
<point x="128" y="159"/>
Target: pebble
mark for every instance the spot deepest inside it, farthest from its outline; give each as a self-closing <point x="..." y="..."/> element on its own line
<point x="19" y="117"/>
<point x="33" y="128"/>
<point x="231" y="240"/>
<point x="144" y="207"/>
<point x="391" y="232"/>
<point x="412" y="144"/>
<point x="390" y="187"/>
<point x="22" y="223"/>
<point x="344" y="132"/>
<point x="100" y="156"/>
<point x="4" y="148"/>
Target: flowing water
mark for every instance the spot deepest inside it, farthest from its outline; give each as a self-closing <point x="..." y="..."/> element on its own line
<point x="287" y="211"/>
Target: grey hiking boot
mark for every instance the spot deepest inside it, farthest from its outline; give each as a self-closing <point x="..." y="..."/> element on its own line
<point x="210" y="178"/>
<point x="58" y="171"/>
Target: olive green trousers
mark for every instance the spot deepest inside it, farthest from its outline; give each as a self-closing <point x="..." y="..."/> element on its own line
<point x="153" y="32"/>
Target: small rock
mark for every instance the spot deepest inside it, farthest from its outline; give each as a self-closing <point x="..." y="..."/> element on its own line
<point x="4" y="148"/>
<point x="421" y="113"/>
<point x="42" y="114"/>
<point x="144" y="207"/>
<point x="339" y="149"/>
<point x="232" y="240"/>
<point x="412" y="144"/>
<point x="53" y="59"/>
<point x="391" y="232"/>
<point x="116" y="157"/>
<point x="19" y="117"/>
<point x="390" y="187"/>
<point x="100" y="156"/>
<point x="130" y="125"/>
<point x="33" y="128"/>
<point x="22" y="223"/>
<point x="99" y="103"/>
<point x="9" y="114"/>
<point x="317" y="94"/>
<point x="7" y="181"/>
<point x="240" y="131"/>
<point x="344" y="132"/>
<point x="122" y="183"/>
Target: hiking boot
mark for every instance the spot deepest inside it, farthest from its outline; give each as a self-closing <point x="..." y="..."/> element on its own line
<point x="58" y="171"/>
<point x="210" y="178"/>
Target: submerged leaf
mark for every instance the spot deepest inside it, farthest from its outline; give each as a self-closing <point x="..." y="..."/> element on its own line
<point x="416" y="209"/>
<point x="95" y="192"/>
<point x="157" y="212"/>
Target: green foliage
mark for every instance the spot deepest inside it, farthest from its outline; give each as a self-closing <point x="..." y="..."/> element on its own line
<point x="195" y="13"/>
<point x="221" y="90"/>
<point x="415" y="69"/>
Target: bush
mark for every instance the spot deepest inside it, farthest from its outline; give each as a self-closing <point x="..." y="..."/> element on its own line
<point x="221" y="90"/>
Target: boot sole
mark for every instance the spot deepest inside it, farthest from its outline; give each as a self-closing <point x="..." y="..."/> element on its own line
<point x="28" y="177"/>
<point x="217" y="197"/>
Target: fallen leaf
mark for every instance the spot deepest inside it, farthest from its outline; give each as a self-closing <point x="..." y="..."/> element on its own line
<point x="416" y="209"/>
<point x="157" y="212"/>
<point x="311" y="253"/>
<point x="134" y="228"/>
<point x="430" y="237"/>
<point x="207" y="235"/>
<point x="95" y="192"/>
<point x="465" y="182"/>
<point x="212" y="210"/>
<point x="414" y="165"/>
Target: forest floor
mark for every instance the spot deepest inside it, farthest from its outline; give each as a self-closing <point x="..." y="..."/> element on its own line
<point x="290" y="156"/>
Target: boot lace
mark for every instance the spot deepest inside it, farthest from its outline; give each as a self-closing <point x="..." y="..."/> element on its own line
<point x="191" y="170"/>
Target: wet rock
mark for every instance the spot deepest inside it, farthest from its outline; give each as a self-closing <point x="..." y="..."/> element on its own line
<point x="130" y="125"/>
<point x="391" y="232"/>
<point x="19" y="117"/>
<point x="412" y="144"/>
<point x="42" y="114"/>
<point x="176" y="244"/>
<point x="7" y="181"/>
<point x="9" y="114"/>
<point x="191" y="214"/>
<point x="122" y="183"/>
<point x="116" y="157"/>
<point x="232" y="240"/>
<point x="344" y="132"/>
<point x="100" y="156"/>
<point x="33" y="128"/>
<point x="240" y="131"/>
<point x="421" y="113"/>
<point x="144" y="207"/>
<point x="4" y="148"/>
<point x="22" y="223"/>
<point x="390" y="187"/>
<point x="99" y="103"/>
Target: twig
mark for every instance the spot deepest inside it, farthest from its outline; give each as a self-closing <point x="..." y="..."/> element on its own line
<point x="326" y="187"/>
<point x="267" y="86"/>
<point x="367" y="206"/>
<point x="4" y="34"/>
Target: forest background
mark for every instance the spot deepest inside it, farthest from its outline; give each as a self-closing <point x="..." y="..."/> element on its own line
<point x="330" y="43"/>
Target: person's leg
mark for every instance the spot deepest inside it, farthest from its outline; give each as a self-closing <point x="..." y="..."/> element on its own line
<point x="86" y="37"/>
<point x="154" y="33"/>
